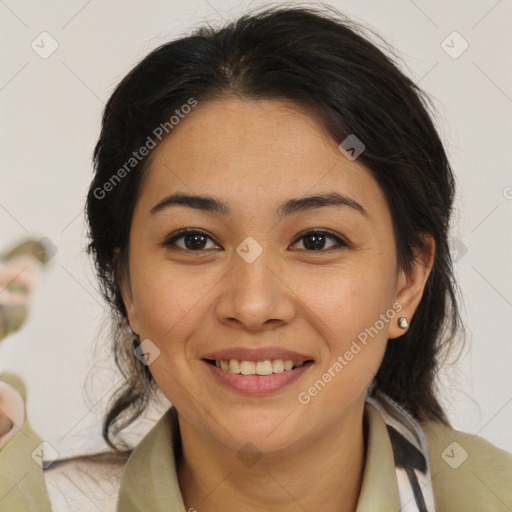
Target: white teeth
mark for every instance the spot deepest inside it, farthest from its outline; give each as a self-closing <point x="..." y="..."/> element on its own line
<point x="234" y="366"/>
<point x="247" y="367"/>
<point x="277" y="366"/>
<point x="265" y="367"/>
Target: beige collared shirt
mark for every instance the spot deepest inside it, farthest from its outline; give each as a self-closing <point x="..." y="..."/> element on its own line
<point x="469" y="474"/>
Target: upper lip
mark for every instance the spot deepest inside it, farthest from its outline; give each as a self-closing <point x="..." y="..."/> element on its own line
<point x="257" y="354"/>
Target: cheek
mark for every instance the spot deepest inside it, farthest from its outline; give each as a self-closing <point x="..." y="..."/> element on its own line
<point x="348" y="300"/>
<point x="169" y="301"/>
<point x="353" y="312"/>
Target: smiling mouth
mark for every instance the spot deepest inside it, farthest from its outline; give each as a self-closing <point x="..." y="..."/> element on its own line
<point x="258" y="368"/>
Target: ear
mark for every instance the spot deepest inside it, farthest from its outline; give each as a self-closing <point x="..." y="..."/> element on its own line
<point x="122" y="276"/>
<point x="410" y="285"/>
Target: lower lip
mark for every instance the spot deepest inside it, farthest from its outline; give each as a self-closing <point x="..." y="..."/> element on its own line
<point x="258" y="384"/>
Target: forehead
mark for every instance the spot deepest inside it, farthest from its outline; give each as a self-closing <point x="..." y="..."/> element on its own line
<point x="255" y="150"/>
<point x="233" y="131"/>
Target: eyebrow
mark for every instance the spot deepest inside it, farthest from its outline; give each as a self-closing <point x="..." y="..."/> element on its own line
<point x="289" y="207"/>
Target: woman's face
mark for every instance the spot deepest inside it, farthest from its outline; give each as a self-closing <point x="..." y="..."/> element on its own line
<point x="262" y="277"/>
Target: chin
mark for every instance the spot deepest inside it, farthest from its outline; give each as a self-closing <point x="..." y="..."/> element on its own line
<point x="266" y="434"/>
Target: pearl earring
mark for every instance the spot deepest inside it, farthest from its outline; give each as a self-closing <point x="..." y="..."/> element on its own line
<point x="403" y="323"/>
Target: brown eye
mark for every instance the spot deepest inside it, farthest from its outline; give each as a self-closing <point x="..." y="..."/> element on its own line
<point x="193" y="240"/>
<point x="316" y="240"/>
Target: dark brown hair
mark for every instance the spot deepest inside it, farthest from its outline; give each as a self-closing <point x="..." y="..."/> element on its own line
<point x="316" y="58"/>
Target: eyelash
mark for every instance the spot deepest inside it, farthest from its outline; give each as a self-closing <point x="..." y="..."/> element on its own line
<point x="170" y="242"/>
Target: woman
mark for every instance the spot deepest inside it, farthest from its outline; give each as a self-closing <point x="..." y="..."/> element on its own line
<point x="269" y="219"/>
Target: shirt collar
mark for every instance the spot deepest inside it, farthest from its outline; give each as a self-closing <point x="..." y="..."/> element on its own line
<point x="379" y="488"/>
<point x="150" y="481"/>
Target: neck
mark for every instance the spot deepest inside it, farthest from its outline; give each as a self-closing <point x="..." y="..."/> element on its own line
<point x="327" y="469"/>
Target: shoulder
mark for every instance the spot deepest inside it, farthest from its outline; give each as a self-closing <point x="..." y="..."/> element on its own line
<point x="86" y="483"/>
<point x="468" y="472"/>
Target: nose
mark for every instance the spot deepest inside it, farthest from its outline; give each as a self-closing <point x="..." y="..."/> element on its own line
<point x="254" y="295"/>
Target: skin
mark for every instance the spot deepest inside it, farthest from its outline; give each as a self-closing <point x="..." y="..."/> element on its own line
<point x="256" y="154"/>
